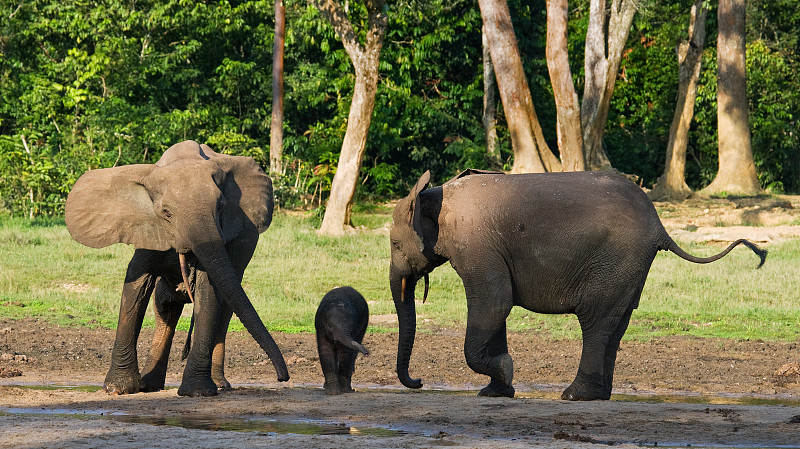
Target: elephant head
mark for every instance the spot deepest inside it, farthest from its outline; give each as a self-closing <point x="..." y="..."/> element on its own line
<point x="413" y="238"/>
<point x="191" y="200"/>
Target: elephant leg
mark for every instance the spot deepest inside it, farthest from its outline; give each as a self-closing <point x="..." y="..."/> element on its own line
<point x="197" y="379"/>
<point x="600" y="343"/>
<point x="168" y="311"/>
<point x="486" y="344"/>
<point x="329" y="361"/>
<point x="218" y="353"/>
<point x="347" y="364"/>
<point x="612" y="347"/>
<point x="123" y="377"/>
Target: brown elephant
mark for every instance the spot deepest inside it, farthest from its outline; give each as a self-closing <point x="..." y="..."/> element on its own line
<point x="577" y="243"/>
<point x="194" y="218"/>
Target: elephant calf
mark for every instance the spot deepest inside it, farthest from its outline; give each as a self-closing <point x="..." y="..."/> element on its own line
<point x="577" y="243"/>
<point x="341" y="322"/>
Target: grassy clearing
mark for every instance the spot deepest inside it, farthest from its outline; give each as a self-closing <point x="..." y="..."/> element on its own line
<point x="45" y="274"/>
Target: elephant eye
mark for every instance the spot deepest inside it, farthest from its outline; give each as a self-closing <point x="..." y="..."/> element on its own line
<point x="166" y="212"/>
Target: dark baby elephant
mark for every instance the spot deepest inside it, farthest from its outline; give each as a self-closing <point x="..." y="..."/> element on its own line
<point x="194" y="218"/>
<point x="341" y="321"/>
<point x="578" y="243"/>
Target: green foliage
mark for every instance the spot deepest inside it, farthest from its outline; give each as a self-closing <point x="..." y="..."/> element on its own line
<point x="86" y="85"/>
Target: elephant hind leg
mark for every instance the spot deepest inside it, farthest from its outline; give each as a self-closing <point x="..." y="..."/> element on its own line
<point x="168" y="311"/>
<point x="600" y="343"/>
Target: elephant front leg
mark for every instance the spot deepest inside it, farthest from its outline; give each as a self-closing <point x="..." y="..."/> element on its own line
<point x="123" y="376"/>
<point x="168" y="311"/>
<point x="486" y="345"/>
<point x="207" y="313"/>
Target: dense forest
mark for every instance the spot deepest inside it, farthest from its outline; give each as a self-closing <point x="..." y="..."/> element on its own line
<point x="90" y="84"/>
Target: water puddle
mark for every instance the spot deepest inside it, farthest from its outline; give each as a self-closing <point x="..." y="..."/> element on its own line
<point x="264" y="426"/>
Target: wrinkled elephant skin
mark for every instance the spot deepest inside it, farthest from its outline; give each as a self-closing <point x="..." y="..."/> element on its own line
<point x="578" y="243"/>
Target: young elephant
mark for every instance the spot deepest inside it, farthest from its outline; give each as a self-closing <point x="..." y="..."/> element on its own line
<point x="341" y="322"/>
<point x="577" y="243"/>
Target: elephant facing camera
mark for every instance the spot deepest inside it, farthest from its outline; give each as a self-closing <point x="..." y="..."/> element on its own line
<point x="194" y="218"/>
<point x="341" y="322"/>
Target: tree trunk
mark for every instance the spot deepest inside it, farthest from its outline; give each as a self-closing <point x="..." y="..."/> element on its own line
<point x="531" y="153"/>
<point x="671" y="186"/>
<point x="601" y="74"/>
<point x="568" y="112"/>
<point x="737" y="171"/>
<point x="489" y="103"/>
<point x="365" y="59"/>
<point x="276" y="128"/>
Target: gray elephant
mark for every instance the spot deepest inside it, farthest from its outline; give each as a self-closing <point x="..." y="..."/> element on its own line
<point x="194" y="218"/>
<point x="577" y="243"/>
<point x="341" y="321"/>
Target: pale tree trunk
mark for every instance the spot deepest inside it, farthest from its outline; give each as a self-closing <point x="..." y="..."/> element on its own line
<point x="365" y="60"/>
<point x="671" y="186"/>
<point x="531" y="153"/>
<point x="276" y="128"/>
<point x="601" y="74"/>
<point x="568" y="111"/>
<point x="489" y="103"/>
<point x="737" y="171"/>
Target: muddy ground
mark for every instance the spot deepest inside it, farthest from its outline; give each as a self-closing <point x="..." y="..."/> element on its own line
<point x="674" y="391"/>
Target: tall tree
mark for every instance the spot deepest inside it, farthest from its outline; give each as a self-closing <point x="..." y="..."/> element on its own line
<point x="489" y="101"/>
<point x="276" y="128"/>
<point x="601" y="73"/>
<point x="365" y="58"/>
<point x="568" y="110"/>
<point x="531" y="153"/>
<point x="737" y="170"/>
<point x="672" y="184"/>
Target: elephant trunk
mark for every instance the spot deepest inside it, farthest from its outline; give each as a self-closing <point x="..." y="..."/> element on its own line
<point x="215" y="260"/>
<point x="403" y="295"/>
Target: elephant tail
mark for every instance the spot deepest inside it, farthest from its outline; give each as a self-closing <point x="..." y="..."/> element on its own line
<point x="188" y="345"/>
<point x="670" y="245"/>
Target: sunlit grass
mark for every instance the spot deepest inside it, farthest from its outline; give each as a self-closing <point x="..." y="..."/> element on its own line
<point x="44" y="273"/>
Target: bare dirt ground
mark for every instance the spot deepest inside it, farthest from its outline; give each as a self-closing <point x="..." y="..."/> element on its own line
<point x="674" y="391"/>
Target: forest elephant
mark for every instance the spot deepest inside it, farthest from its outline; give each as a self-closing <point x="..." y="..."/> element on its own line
<point x="341" y="322"/>
<point x="578" y="243"/>
<point x="194" y="218"/>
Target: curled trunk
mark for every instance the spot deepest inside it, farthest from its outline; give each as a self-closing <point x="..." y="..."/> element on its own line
<point x="227" y="282"/>
<point x="407" y="320"/>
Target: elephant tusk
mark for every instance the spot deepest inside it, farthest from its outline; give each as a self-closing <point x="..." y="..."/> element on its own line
<point x="403" y="289"/>
<point x="185" y="275"/>
<point x="425" y="296"/>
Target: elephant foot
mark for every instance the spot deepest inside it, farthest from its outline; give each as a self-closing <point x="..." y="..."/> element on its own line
<point x="152" y="382"/>
<point x="200" y="387"/>
<point x="118" y="383"/>
<point x="332" y="389"/>
<point x="497" y="390"/>
<point x="586" y="391"/>
<point x="222" y="383"/>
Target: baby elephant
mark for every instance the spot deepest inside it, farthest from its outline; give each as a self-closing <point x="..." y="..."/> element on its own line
<point x="341" y="322"/>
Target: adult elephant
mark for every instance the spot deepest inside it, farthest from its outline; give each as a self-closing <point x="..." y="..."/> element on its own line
<point x="577" y="243"/>
<point x="194" y="218"/>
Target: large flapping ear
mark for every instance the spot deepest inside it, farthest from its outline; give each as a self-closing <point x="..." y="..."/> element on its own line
<point x="248" y="195"/>
<point x="473" y="171"/>
<point x="111" y="205"/>
<point x="416" y="210"/>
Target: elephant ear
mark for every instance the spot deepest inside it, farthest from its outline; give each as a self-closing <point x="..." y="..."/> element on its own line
<point x="111" y="205"/>
<point x="248" y="195"/>
<point x="416" y="215"/>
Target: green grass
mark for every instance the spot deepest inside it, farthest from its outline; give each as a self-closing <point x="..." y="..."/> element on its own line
<point x="46" y="274"/>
